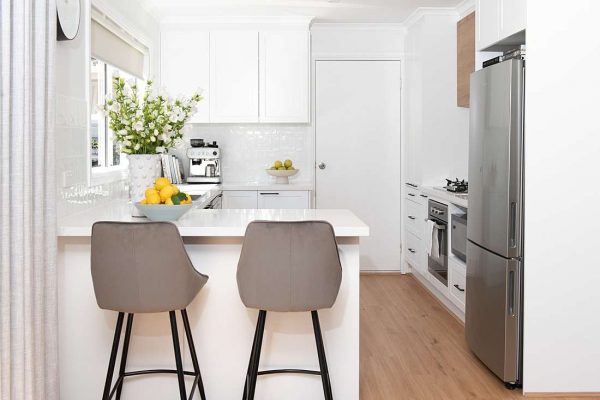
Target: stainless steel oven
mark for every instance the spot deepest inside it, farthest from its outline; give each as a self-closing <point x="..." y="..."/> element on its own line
<point x="458" y="244"/>
<point x="437" y="259"/>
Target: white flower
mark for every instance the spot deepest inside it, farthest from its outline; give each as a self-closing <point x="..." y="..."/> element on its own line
<point x="122" y="132"/>
<point x="137" y="146"/>
<point x="115" y="107"/>
<point x="138" y="126"/>
<point x="160" y="149"/>
<point x="164" y="137"/>
<point x="152" y="139"/>
<point x="151" y="125"/>
<point x="109" y="97"/>
<point x="131" y="82"/>
<point x="156" y="132"/>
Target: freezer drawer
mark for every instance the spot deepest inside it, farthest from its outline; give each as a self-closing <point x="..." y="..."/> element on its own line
<point x="493" y="311"/>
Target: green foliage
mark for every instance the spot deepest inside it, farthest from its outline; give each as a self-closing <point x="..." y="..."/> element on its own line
<point x="152" y="125"/>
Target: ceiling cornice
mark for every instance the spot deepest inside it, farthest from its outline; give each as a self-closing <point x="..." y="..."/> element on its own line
<point x="465" y="8"/>
<point x="425" y="11"/>
<point x="397" y="26"/>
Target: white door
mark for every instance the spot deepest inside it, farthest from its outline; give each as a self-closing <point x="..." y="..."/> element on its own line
<point x="234" y="76"/>
<point x="287" y="199"/>
<point x="184" y="66"/>
<point x="357" y="123"/>
<point x="284" y="76"/>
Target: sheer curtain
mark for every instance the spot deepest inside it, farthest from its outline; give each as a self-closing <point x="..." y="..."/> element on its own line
<point x="28" y="313"/>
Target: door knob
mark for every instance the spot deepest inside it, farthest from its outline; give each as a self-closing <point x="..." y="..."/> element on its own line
<point x="322" y="165"/>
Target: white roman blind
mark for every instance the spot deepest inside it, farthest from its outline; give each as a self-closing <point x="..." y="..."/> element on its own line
<point x="110" y="48"/>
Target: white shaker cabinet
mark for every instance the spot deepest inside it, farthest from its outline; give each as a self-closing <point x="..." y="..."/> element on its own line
<point x="498" y="23"/>
<point x="284" y="76"/>
<point x="234" y="76"/>
<point x="283" y="199"/>
<point x="184" y="66"/>
<point x="236" y="199"/>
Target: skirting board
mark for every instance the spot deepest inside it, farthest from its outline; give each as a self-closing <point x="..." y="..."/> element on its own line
<point x="562" y="395"/>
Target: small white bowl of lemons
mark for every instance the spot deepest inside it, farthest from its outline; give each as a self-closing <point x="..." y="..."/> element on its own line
<point x="164" y="202"/>
<point x="282" y="171"/>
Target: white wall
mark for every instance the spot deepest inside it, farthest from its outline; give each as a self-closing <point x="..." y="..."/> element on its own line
<point x="562" y="144"/>
<point x="437" y="131"/>
<point x="357" y="40"/>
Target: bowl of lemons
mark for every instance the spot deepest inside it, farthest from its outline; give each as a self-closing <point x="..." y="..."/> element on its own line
<point x="164" y="202"/>
<point x="282" y="171"/>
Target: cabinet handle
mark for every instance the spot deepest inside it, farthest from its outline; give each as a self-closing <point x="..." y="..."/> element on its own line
<point x="411" y="217"/>
<point x="411" y="250"/>
<point x="411" y="194"/>
<point x="269" y="194"/>
<point x="424" y="195"/>
<point x="459" y="289"/>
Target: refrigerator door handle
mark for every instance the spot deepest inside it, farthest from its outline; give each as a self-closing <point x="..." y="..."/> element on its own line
<point x="513" y="224"/>
<point x="511" y="294"/>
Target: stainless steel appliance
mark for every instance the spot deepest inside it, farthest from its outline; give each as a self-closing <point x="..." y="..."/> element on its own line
<point x="205" y="162"/>
<point x="437" y="258"/>
<point x="458" y="244"/>
<point x="495" y="227"/>
<point x="215" y="203"/>
<point x="457" y="186"/>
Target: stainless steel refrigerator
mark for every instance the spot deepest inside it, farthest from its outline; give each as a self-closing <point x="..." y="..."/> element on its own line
<point x="494" y="310"/>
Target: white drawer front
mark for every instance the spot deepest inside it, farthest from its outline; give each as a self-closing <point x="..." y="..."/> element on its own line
<point x="413" y="250"/>
<point x="413" y="218"/>
<point x="413" y="194"/>
<point x="457" y="283"/>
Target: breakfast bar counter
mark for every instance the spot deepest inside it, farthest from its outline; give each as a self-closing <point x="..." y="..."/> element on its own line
<point x="222" y="326"/>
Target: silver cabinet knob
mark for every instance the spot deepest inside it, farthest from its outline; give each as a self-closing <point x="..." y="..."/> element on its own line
<point x="322" y="165"/>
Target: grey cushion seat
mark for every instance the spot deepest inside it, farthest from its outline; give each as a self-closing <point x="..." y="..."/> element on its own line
<point x="289" y="266"/>
<point x="142" y="267"/>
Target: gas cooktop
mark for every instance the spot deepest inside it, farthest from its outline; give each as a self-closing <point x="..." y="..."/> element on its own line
<point x="457" y="186"/>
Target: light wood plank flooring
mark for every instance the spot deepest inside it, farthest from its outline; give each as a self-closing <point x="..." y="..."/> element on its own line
<point x="411" y="347"/>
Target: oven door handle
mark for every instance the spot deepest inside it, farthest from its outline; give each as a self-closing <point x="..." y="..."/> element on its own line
<point x="441" y="227"/>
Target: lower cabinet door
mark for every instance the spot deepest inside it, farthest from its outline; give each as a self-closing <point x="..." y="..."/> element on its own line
<point x="235" y="199"/>
<point x="284" y="199"/>
<point x="414" y="253"/>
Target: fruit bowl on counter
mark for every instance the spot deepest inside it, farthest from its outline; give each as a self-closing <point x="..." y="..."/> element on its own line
<point x="164" y="202"/>
<point x="282" y="171"/>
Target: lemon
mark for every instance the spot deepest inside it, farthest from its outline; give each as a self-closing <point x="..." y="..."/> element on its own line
<point x="150" y="191"/>
<point x="175" y="189"/>
<point x="160" y="183"/>
<point x="166" y="193"/>
<point x="153" y="199"/>
<point x="277" y="164"/>
<point x="169" y="202"/>
<point x="290" y="168"/>
<point x="287" y="164"/>
<point x="143" y="201"/>
<point x="282" y="168"/>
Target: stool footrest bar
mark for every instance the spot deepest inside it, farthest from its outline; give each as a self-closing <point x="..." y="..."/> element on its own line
<point x="288" y="371"/>
<point x="157" y="371"/>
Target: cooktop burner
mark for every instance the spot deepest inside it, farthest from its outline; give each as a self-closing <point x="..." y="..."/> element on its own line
<point x="457" y="186"/>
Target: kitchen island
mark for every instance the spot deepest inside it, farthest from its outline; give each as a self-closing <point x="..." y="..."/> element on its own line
<point x="223" y="328"/>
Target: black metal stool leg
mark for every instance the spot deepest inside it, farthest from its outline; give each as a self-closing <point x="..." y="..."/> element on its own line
<point x="124" y="355"/>
<point x="113" y="357"/>
<point x="322" y="358"/>
<point x="178" y="362"/>
<point x="190" y="340"/>
<point x="245" y="395"/>
<point x="255" y="358"/>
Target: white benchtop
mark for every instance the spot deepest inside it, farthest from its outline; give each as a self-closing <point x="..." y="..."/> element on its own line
<point x="200" y="222"/>
<point x="446" y="196"/>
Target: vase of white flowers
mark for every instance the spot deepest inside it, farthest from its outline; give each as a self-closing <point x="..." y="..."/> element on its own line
<point x="145" y="128"/>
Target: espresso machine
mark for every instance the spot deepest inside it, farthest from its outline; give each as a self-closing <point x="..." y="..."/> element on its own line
<point x="205" y="162"/>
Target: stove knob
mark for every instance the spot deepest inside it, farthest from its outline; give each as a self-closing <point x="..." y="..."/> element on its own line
<point x="214" y="153"/>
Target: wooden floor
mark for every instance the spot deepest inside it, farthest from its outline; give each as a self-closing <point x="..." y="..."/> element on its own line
<point x="411" y="347"/>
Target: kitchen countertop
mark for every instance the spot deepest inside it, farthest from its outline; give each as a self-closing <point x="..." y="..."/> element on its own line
<point x="442" y="194"/>
<point x="200" y="222"/>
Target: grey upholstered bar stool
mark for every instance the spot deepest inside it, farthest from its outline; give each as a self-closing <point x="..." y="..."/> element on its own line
<point x="144" y="268"/>
<point x="288" y="267"/>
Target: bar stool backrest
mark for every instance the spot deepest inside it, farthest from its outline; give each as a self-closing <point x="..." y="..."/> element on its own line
<point x="142" y="267"/>
<point x="289" y="266"/>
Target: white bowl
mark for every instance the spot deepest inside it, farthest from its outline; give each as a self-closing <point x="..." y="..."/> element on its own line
<point x="163" y="212"/>
<point x="282" y="175"/>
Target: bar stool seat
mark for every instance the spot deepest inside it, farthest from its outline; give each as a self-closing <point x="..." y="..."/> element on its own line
<point x="143" y="267"/>
<point x="288" y="267"/>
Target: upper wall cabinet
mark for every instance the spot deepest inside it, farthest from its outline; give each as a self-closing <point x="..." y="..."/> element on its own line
<point x="500" y="24"/>
<point x="184" y="71"/>
<point x="234" y="76"/>
<point x="250" y="71"/>
<point x="284" y="76"/>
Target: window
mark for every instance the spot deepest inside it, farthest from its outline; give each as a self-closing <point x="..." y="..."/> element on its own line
<point x="113" y="50"/>
<point x="105" y="152"/>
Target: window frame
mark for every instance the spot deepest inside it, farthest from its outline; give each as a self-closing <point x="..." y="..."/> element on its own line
<point x="128" y="32"/>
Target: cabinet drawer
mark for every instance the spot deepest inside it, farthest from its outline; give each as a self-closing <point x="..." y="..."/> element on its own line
<point x="413" y="218"/>
<point x="413" y="250"/>
<point x="457" y="283"/>
<point x="283" y="199"/>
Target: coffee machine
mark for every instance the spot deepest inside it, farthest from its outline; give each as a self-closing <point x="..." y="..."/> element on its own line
<point x="205" y="162"/>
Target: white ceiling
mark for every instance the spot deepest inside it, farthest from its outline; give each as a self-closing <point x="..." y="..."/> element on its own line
<point x="322" y="10"/>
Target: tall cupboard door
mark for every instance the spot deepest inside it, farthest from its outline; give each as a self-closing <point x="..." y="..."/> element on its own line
<point x="184" y="66"/>
<point x="284" y="76"/>
<point x="487" y="23"/>
<point x="234" y="76"/>
<point x="513" y="17"/>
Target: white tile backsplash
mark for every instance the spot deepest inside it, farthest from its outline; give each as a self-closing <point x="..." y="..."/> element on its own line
<point x="247" y="150"/>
